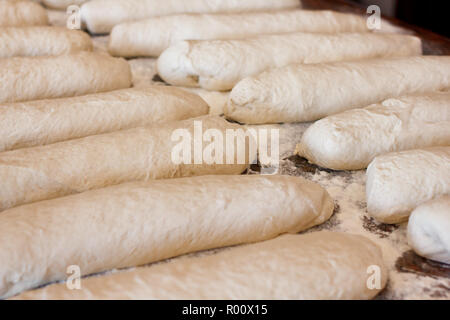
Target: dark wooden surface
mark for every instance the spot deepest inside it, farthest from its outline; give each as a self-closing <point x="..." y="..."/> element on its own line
<point x="433" y="44"/>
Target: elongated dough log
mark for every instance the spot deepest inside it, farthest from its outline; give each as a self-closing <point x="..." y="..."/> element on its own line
<point x="399" y="182"/>
<point x="310" y="92"/>
<point x="42" y="41"/>
<point x="22" y="13"/>
<point x="220" y="64"/>
<point x="23" y="79"/>
<point x="138" y="223"/>
<point x="352" y="139"/>
<point x="97" y="20"/>
<point x="429" y="230"/>
<point x="318" y="265"/>
<point x="41" y="122"/>
<point x="145" y="153"/>
<point x="152" y="36"/>
<point x="63" y="4"/>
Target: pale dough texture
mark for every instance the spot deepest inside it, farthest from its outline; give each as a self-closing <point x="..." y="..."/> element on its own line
<point x="429" y="230"/>
<point x="55" y="170"/>
<point x="40" y="122"/>
<point x="319" y="265"/>
<point x="352" y="139"/>
<point x="399" y="182"/>
<point x="142" y="222"/>
<point x="62" y="4"/>
<point x="23" y="79"/>
<point x="42" y="41"/>
<point x="216" y="100"/>
<point x="220" y="64"/>
<point x="299" y="92"/>
<point x="99" y="20"/>
<point x="152" y="36"/>
<point x="22" y="13"/>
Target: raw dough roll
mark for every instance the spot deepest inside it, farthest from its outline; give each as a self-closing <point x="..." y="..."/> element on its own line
<point x="216" y="100"/>
<point x="220" y="64"/>
<point x="98" y="21"/>
<point x="63" y="4"/>
<point x="310" y="92"/>
<point x="40" y="122"/>
<point x="42" y="41"/>
<point x="22" y="13"/>
<point x="145" y="153"/>
<point x="142" y="222"/>
<point x="23" y="79"/>
<point x="320" y="265"/>
<point x="399" y="182"/>
<point x="152" y="36"/>
<point x="429" y="230"/>
<point x="352" y="139"/>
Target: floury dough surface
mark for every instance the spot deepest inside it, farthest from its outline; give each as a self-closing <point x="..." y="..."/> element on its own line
<point x="351" y="140"/>
<point x="150" y="37"/>
<point x="264" y="270"/>
<point x="399" y="182"/>
<point x="428" y="229"/>
<point x="42" y="41"/>
<point x="309" y="92"/>
<point x="137" y="223"/>
<point x="221" y="64"/>
<point x="22" y="13"/>
<point x="428" y="281"/>
<point x="42" y="122"/>
<point x="142" y="153"/>
<point x="98" y="20"/>
<point x="36" y="78"/>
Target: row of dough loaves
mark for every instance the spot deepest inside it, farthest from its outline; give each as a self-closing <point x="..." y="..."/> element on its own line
<point x="88" y="158"/>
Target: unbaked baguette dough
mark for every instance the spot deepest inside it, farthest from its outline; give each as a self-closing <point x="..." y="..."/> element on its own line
<point x="23" y="79"/>
<point x="22" y="13"/>
<point x="142" y="222"/>
<point x="40" y="122"/>
<point x="216" y="100"/>
<point x="319" y="265"/>
<point x="97" y="20"/>
<point x="429" y="230"/>
<point x="399" y="182"/>
<point x="152" y="36"/>
<point x="63" y="4"/>
<point x="42" y="41"/>
<point x="145" y="153"/>
<point x="352" y="139"/>
<point x="220" y="64"/>
<point x="310" y="92"/>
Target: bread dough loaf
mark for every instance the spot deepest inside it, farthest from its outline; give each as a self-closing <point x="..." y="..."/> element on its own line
<point x="352" y="139"/>
<point x="73" y="166"/>
<point x="22" y="13"/>
<point x="142" y="222"/>
<point x="429" y="230"/>
<point x="42" y="41"/>
<point x="40" y="122"/>
<point x="23" y="79"/>
<point x="62" y="4"/>
<point x="320" y="265"/>
<point x="310" y="92"/>
<point x="152" y="36"/>
<point x="220" y="64"/>
<point x="216" y="100"/>
<point x="399" y="182"/>
<point x="119" y="11"/>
